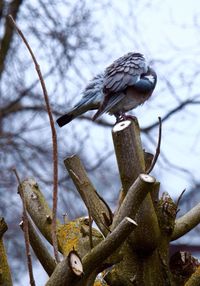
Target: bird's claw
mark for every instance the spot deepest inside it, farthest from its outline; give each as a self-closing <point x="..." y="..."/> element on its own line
<point x="123" y="117"/>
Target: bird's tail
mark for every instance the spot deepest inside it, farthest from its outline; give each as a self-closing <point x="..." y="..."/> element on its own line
<point x="77" y="110"/>
<point x="64" y="119"/>
<point x="92" y="96"/>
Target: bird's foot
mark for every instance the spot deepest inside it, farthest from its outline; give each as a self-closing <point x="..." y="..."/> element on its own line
<point x="131" y="117"/>
<point x="122" y="116"/>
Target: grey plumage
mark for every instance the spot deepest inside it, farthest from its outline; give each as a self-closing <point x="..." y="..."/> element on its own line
<point x="125" y="84"/>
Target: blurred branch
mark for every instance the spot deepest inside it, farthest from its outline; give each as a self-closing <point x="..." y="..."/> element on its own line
<point x="8" y="32"/>
<point x="1" y="8"/>
<point x="172" y="112"/>
<point x="194" y="279"/>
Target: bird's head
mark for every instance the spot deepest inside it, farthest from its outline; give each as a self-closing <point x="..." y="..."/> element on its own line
<point x="150" y="75"/>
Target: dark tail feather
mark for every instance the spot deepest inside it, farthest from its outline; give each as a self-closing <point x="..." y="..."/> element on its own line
<point x="64" y="119"/>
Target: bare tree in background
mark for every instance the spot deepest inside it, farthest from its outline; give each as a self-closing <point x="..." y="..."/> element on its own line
<point x="60" y="36"/>
<point x="68" y="43"/>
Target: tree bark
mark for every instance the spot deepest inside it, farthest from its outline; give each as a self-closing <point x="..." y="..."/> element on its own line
<point x="5" y="274"/>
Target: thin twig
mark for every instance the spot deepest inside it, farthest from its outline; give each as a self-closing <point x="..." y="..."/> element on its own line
<point x="54" y="140"/>
<point x="90" y="229"/>
<point x="179" y="199"/>
<point x="155" y="158"/>
<point x="26" y="233"/>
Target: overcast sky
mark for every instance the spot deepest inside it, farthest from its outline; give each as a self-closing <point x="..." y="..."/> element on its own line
<point x="165" y="29"/>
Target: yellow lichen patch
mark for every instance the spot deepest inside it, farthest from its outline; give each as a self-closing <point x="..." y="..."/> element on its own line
<point x="100" y="282"/>
<point x="194" y="279"/>
<point x="75" y="235"/>
<point x="68" y="236"/>
<point x="5" y="275"/>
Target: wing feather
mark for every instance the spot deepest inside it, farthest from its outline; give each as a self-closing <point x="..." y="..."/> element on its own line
<point x="127" y="70"/>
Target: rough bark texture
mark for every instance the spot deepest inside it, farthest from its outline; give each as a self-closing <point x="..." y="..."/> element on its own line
<point x="97" y="207"/>
<point x="40" y="249"/>
<point x="38" y="208"/>
<point x="5" y="275"/>
<point x="187" y="222"/>
<point x="131" y="163"/>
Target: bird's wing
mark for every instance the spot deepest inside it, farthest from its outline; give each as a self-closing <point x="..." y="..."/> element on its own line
<point x="124" y="72"/>
<point x="92" y="94"/>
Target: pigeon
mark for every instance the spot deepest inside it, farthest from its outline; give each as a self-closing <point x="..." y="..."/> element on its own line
<point x="127" y="83"/>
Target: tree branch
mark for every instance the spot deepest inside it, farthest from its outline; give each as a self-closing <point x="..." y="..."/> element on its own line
<point x="38" y="208"/>
<point x="131" y="163"/>
<point x="93" y="260"/>
<point x="108" y="246"/>
<point x="40" y="249"/>
<point x="97" y="207"/>
<point x="155" y="158"/>
<point x="129" y="153"/>
<point x="26" y="231"/>
<point x="171" y="112"/>
<point x="186" y="223"/>
<point x="135" y="196"/>
<point x="194" y="279"/>
<point x="67" y="271"/>
<point x="8" y="34"/>
<point x="5" y="274"/>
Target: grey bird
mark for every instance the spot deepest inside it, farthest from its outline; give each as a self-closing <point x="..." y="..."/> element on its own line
<point x="125" y="84"/>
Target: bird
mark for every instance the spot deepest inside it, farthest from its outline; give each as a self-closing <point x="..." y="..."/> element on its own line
<point x="128" y="82"/>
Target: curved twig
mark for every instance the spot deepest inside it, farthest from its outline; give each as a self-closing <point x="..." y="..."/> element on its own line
<point x="155" y="158"/>
<point x="54" y="138"/>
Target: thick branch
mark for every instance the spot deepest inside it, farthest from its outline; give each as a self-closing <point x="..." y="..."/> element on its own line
<point x="129" y="153"/>
<point x="40" y="249"/>
<point x="26" y="232"/>
<point x="93" y="260"/>
<point x="187" y="222"/>
<point x="97" y="207"/>
<point x="38" y="208"/>
<point x="5" y="275"/>
<point x="67" y="271"/>
<point x="108" y="246"/>
<point x="194" y="280"/>
<point x="135" y="196"/>
<point x="131" y="163"/>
